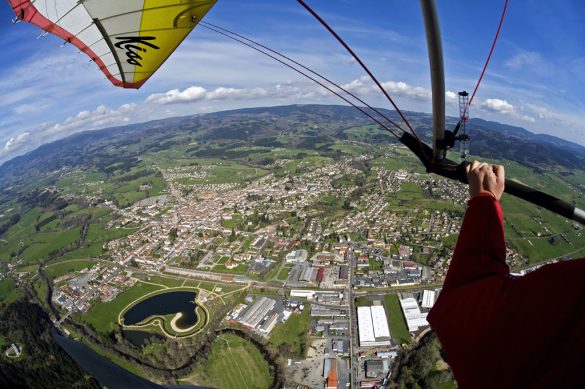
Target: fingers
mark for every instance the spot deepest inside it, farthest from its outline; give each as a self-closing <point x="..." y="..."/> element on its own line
<point x="485" y="178"/>
<point x="472" y="166"/>
<point x="485" y="168"/>
<point x="499" y="171"/>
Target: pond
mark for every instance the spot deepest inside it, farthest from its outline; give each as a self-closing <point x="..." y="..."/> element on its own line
<point x="170" y="303"/>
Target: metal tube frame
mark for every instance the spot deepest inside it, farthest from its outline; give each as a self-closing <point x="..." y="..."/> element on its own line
<point x="435" y="47"/>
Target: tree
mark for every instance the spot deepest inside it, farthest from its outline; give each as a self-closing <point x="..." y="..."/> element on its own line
<point x="173" y="234"/>
<point x="347" y="204"/>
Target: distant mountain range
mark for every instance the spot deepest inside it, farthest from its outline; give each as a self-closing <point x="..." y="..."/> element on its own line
<point x="309" y="125"/>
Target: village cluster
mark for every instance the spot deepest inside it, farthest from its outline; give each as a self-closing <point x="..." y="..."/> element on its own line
<point x="271" y="232"/>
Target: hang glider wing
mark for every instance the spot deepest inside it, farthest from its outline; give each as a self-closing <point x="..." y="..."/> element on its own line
<point x="128" y="39"/>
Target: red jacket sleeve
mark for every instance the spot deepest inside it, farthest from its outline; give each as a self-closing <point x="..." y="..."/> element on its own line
<point x="500" y="331"/>
<point x="481" y="247"/>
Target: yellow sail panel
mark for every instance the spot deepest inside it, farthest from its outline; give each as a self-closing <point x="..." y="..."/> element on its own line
<point x="163" y="27"/>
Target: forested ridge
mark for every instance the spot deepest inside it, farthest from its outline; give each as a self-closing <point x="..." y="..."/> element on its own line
<point x="43" y="364"/>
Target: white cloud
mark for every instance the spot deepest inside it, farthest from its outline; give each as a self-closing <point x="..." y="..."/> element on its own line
<point x="197" y="99"/>
<point x="364" y="86"/>
<point x="499" y="106"/>
<point x="542" y="112"/>
<point x="101" y="117"/>
<point x="403" y="89"/>
<point x="451" y="96"/>
<point x="191" y="94"/>
<point x="14" y="142"/>
<point x="530" y="61"/>
<point x="503" y="107"/>
<point x="523" y="59"/>
<point x="196" y="94"/>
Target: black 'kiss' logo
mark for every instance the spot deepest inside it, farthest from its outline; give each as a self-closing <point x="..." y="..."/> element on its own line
<point x="132" y="46"/>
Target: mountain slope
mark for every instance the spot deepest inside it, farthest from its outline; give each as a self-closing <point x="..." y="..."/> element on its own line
<point x="307" y="124"/>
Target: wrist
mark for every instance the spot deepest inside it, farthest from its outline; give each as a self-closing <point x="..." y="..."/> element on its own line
<point x="489" y="192"/>
<point x="485" y="193"/>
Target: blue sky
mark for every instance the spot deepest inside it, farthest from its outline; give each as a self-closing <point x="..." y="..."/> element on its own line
<point x="536" y="78"/>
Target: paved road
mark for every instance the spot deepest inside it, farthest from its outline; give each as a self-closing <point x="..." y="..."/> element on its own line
<point x="353" y="332"/>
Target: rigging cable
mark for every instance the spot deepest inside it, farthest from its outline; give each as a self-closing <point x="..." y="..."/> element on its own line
<point x="306" y="68"/>
<point x="489" y="56"/>
<point x="355" y="56"/>
<point x="306" y="75"/>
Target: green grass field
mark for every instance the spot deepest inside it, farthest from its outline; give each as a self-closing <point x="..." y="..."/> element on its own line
<point x="166" y="281"/>
<point x="41" y="289"/>
<point x="33" y="240"/>
<point x="348" y="148"/>
<point x="363" y="301"/>
<point x="283" y="274"/>
<point x="398" y="328"/>
<point x="235" y="363"/>
<point x="9" y="292"/>
<point x="98" y="233"/>
<point x="272" y="273"/>
<point x="240" y="269"/>
<point x="59" y="269"/>
<point x="228" y="172"/>
<point x="552" y="238"/>
<point x="91" y="251"/>
<point x="49" y="242"/>
<point x="206" y="285"/>
<point x="291" y="337"/>
<point x="32" y="243"/>
<point x="234" y="222"/>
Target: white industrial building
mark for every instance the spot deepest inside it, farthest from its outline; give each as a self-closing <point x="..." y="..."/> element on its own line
<point x="297" y="256"/>
<point x="428" y="299"/>
<point x="414" y="317"/>
<point x="373" y="326"/>
<point x="269" y="324"/>
<point x="255" y="314"/>
<point x="304" y="293"/>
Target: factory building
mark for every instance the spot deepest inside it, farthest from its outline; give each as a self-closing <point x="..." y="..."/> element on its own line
<point x="374" y="367"/>
<point x="269" y="323"/>
<point x="255" y="313"/>
<point x="373" y="326"/>
<point x="297" y="256"/>
<point x="428" y="298"/>
<point x="414" y="317"/>
<point x="309" y="274"/>
<point x="308" y="294"/>
<point x="321" y="311"/>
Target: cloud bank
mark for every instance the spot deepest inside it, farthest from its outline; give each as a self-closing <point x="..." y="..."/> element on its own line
<point x="197" y="99"/>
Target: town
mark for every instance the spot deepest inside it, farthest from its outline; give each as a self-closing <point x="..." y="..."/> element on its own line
<point x="359" y="261"/>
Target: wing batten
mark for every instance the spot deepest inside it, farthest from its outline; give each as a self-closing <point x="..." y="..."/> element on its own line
<point x="112" y="50"/>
